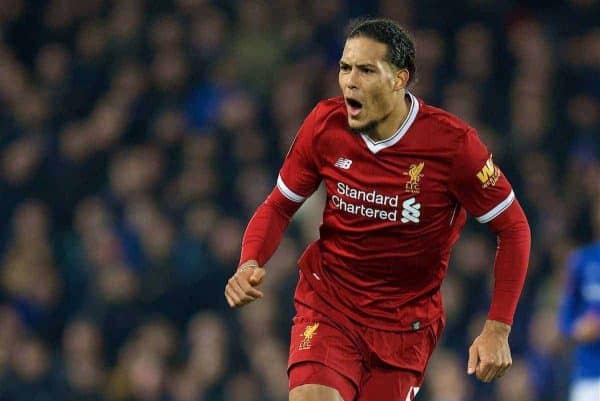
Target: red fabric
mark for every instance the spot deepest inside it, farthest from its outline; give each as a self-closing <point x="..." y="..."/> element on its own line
<point x="383" y="384"/>
<point x="512" y="257"/>
<point x="380" y="385"/>
<point x="379" y="365"/>
<point x="381" y="270"/>
<point x="265" y="230"/>
<point x="475" y="196"/>
<point x="394" y="210"/>
<point x="317" y="373"/>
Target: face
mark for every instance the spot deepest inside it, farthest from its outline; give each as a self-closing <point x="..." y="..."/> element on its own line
<point x="368" y="82"/>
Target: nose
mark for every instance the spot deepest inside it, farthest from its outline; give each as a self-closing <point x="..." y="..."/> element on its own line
<point x="352" y="79"/>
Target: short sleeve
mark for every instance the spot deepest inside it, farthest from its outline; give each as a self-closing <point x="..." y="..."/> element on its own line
<point x="299" y="176"/>
<point x="477" y="182"/>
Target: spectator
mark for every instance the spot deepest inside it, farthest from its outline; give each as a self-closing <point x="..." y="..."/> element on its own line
<point x="136" y="137"/>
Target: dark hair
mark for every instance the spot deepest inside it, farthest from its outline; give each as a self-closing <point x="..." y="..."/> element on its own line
<point x="401" y="50"/>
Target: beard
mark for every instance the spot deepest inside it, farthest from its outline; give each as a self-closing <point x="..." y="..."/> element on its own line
<point x="364" y="129"/>
<point x="369" y="127"/>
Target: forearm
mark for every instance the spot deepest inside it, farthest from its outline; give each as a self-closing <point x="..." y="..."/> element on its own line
<point x="266" y="228"/>
<point x="263" y="235"/>
<point x="498" y="327"/>
<point x="512" y="258"/>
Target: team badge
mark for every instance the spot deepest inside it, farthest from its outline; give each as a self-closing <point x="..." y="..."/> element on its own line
<point x="414" y="174"/>
<point x="309" y="332"/>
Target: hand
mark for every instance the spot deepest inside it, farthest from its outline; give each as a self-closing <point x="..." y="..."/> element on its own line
<point x="489" y="355"/>
<point x="240" y="290"/>
<point x="587" y="328"/>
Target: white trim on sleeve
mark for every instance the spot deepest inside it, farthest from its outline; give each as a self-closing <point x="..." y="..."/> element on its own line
<point x="288" y="193"/>
<point x="500" y="207"/>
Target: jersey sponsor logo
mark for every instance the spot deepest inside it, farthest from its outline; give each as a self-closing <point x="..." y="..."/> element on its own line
<point x="489" y="174"/>
<point x="309" y="332"/>
<point x="413" y="185"/>
<point x="344" y="163"/>
<point x="412" y="393"/>
<point x="383" y="202"/>
<point x="411" y="211"/>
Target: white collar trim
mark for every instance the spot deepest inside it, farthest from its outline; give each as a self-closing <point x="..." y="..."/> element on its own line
<point x="376" y="146"/>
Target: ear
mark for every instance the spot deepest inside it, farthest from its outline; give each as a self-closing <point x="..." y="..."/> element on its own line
<point x="401" y="79"/>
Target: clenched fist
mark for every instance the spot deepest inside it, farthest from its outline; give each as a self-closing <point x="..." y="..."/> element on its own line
<point x="240" y="289"/>
<point x="489" y="355"/>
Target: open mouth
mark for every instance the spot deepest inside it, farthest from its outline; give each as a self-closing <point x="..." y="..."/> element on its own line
<point x="354" y="106"/>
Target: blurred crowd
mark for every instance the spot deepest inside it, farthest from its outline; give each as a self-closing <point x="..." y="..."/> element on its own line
<point x="137" y="138"/>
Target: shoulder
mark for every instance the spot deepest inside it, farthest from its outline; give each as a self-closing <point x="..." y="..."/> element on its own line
<point x="444" y="123"/>
<point x="326" y="119"/>
<point x="330" y="111"/>
<point x="323" y="124"/>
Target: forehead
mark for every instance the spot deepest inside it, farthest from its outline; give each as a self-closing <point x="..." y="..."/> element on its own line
<point x="362" y="50"/>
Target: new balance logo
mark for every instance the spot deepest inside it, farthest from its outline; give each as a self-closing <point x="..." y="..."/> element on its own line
<point x="411" y="211"/>
<point x="343" y="163"/>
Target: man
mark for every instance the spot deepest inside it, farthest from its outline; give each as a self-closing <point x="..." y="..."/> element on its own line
<point x="399" y="175"/>
<point x="579" y="317"/>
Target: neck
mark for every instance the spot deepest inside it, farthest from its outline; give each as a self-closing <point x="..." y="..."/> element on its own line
<point x="390" y="124"/>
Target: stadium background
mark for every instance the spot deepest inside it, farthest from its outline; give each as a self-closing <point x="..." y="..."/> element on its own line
<point x="136" y="139"/>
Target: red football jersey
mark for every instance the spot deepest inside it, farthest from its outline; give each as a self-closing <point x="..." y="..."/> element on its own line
<point x="394" y="209"/>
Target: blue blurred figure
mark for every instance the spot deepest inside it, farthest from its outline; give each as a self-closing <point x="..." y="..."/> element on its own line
<point x="579" y="317"/>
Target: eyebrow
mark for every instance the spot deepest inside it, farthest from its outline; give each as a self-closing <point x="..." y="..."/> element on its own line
<point x="367" y="65"/>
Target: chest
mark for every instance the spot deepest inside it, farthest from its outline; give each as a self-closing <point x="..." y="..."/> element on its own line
<point x="400" y="171"/>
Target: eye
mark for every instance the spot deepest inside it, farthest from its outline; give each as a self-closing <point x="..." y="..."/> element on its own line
<point x="367" y="70"/>
<point x="344" y="68"/>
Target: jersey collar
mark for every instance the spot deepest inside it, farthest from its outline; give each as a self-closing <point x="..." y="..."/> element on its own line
<point x="376" y="146"/>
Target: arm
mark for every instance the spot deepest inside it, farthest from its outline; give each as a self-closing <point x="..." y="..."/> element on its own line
<point x="481" y="187"/>
<point x="298" y="178"/>
<point x="512" y="257"/>
<point x="489" y="356"/>
<point x="266" y="228"/>
<point x="262" y="237"/>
